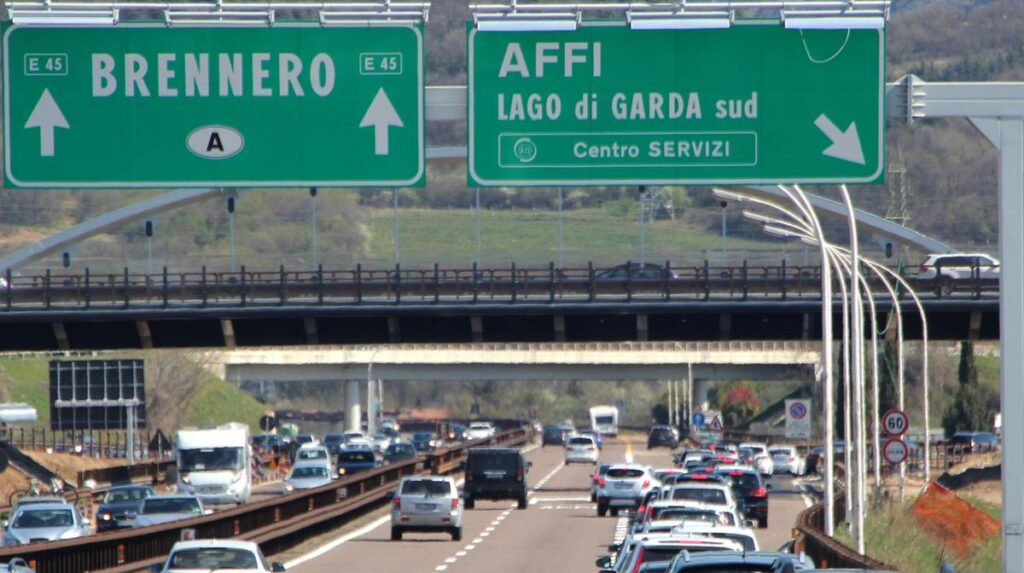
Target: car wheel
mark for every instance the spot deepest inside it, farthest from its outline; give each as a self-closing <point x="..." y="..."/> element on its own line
<point x="456" y="534"/>
<point x="614" y="512"/>
<point x="396" y="534"/>
<point x="762" y="522"/>
<point x="522" y="501"/>
<point x="602" y="509"/>
<point x="593" y="497"/>
<point x="470" y="503"/>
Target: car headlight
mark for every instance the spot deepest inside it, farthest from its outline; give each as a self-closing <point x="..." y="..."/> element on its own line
<point x="106" y="516"/>
<point x="185" y="479"/>
<point x="341" y="471"/>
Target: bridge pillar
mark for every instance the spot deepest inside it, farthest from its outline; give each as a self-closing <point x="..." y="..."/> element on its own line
<point x="700" y="394"/>
<point x="353" y="406"/>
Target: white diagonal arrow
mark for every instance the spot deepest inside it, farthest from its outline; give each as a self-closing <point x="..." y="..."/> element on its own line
<point x="381" y="114"/>
<point x="845" y="144"/>
<point x="47" y="117"/>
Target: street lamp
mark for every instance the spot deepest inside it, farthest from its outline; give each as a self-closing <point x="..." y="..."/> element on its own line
<point x="725" y="239"/>
<point x="312" y="225"/>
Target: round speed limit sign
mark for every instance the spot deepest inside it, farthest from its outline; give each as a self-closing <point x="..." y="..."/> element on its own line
<point x="895" y="423"/>
<point x="895" y="451"/>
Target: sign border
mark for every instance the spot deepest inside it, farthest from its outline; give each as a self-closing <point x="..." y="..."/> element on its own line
<point x="901" y="413"/>
<point x="476" y="180"/>
<point x="413" y="181"/>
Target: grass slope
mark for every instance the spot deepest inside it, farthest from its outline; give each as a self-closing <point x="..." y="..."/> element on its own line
<point x="530" y="238"/>
<point x="27" y="380"/>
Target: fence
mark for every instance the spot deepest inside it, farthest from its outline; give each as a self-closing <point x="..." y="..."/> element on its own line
<point x="92" y="443"/>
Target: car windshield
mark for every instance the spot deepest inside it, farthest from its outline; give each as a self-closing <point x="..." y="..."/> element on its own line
<point x="312" y="455"/>
<point x="743" y="480"/>
<point x="713" y="496"/>
<point x="685" y="514"/>
<point x="401" y="450"/>
<point x="779" y="453"/>
<point x="581" y="441"/>
<point x="355" y="457"/>
<point x="422" y="436"/>
<point x="427" y="488"/>
<point x="625" y="473"/>
<point x="604" y="419"/>
<point x="209" y="459"/>
<point x="44" y="518"/>
<point x="174" y="505"/>
<point x="333" y="438"/>
<point x="121" y="495"/>
<point x="213" y="558"/>
<point x="310" y="472"/>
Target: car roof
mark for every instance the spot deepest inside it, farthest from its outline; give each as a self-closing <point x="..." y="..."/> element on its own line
<point x="427" y="478"/>
<point x="47" y="505"/>
<point x="129" y="486"/>
<point x="205" y="543"/>
<point x="494" y="450"/>
<point x="752" y="557"/>
<point x="735" y="468"/>
<point x="700" y="485"/>
<point x="171" y="496"/>
<point x="628" y="467"/>
<point x="311" y="464"/>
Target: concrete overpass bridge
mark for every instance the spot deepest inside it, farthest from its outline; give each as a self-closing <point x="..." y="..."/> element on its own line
<point x="352" y="366"/>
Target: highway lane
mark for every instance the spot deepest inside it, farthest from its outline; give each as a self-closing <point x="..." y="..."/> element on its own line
<point x="559" y="532"/>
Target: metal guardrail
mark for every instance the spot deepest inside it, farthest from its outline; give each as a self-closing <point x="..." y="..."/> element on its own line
<point x="85" y="291"/>
<point x="827" y="551"/>
<point x="277" y="523"/>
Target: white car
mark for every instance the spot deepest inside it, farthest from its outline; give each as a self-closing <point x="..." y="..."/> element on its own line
<point x="581" y="449"/>
<point x="742" y="535"/>
<point x="716" y="495"/>
<point x="625" y="487"/>
<point x="479" y="431"/>
<point x="957" y="266"/>
<point x="311" y="453"/>
<point x="309" y="475"/>
<point x="429" y="504"/>
<point x="788" y="459"/>
<point x="164" y="508"/>
<point x="762" y="460"/>
<point x="204" y="555"/>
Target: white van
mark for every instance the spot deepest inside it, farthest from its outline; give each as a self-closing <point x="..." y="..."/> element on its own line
<point x="215" y="464"/>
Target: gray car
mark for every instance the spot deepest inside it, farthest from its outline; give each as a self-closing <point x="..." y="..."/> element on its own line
<point x="426" y="504"/>
<point x="47" y="521"/>
<point x="164" y="508"/>
<point x="309" y="475"/>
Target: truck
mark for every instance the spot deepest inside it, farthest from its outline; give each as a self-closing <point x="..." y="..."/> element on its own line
<point x="215" y="464"/>
<point x="605" y="419"/>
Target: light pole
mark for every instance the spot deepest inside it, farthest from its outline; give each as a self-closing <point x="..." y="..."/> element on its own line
<point x="148" y="228"/>
<point x="725" y="236"/>
<point x="371" y="412"/>
<point x="312" y="225"/>
<point x="231" y="230"/>
<point x="394" y="227"/>
<point x="643" y="207"/>
<point x="478" y="249"/>
<point x="561" y="260"/>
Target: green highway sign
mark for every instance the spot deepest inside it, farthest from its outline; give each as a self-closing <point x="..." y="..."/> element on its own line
<point x="156" y="106"/>
<point x="607" y="105"/>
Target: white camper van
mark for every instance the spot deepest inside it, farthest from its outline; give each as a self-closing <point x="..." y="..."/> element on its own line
<point x="215" y="464"/>
<point x="605" y="419"/>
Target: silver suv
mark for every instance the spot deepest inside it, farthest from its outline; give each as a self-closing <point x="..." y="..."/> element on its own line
<point x="426" y="504"/>
<point x="625" y="487"/>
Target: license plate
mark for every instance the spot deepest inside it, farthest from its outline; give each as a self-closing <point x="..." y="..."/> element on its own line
<point x="623" y="486"/>
<point x="426" y="506"/>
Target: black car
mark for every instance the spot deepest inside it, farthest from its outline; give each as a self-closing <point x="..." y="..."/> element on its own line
<point x="636" y="271"/>
<point x="400" y="451"/>
<point x="426" y="441"/>
<point x="554" y="435"/>
<point x="751" y="491"/>
<point x="334" y="443"/>
<point x="120" y="506"/>
<point x="662" y="436"/>
<point x="356" y="459"/>
<point x="495" y="473"/>
<point x="972" y="443"/>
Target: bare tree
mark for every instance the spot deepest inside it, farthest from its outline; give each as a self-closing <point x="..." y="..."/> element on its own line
<point x="172" y="379"/>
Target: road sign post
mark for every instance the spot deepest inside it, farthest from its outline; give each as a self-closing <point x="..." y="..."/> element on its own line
<point x="606" y="105"/>
<point x="158" y="106"/>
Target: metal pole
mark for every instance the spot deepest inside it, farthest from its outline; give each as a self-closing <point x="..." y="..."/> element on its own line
<point x="394" y="228"/>
<point x="130" y="422"/>
<point x="231" y="230"/>
<point x="642" y="234"/>
<point x="478" y="249"/>
<point x="725" y="236"/>
<point x="312" y="225"/>
<point x="561" y="260"/>
<point x="858" y="369"/>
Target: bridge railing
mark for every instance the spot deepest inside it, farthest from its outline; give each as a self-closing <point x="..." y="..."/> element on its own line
<point x="277" y="523"/>
<point x="403" y="285"/>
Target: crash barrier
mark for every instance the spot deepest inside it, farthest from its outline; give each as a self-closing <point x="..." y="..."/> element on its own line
<point x="276" y="524"/>
<point x="827" y="551"/>
<point x="92" y="443"/>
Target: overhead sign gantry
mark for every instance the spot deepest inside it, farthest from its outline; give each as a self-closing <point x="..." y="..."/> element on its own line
<point x="696" y="97"/>
<point x="214" y="98"/>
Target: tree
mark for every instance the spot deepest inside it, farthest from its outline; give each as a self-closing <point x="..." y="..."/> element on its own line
<point x="970" y="408"/>
<point x="660" y="413"/>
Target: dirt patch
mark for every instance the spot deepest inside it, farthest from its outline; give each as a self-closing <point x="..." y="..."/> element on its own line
<point x="11" y="480"/>
<point x="989" y="491"/>
<point x="952" y="521"/>
<point x="67" y="466"/>
<point x="975" y="461"/>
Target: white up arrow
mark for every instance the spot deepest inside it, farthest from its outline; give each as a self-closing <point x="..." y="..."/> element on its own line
<point x="845" y="144"/>
<point x="47" y="117"/>
<point x="381" y="114"/>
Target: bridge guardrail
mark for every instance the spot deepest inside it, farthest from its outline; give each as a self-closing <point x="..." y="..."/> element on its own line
<point x="277" y="523"/>
<point x="82" y="291"/>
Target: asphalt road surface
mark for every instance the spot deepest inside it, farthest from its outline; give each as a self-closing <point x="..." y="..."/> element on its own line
<point x="560" y="531"/>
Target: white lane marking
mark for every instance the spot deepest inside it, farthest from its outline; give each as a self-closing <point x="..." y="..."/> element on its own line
<point x="460" y="553"/>
<point x="440" y="568"/>
<point x="489" y="529"/>
<point x="337" y="542"/>
<point x="478" y="540"/>
<point x="557" y="499"/>
<point x="485" y="534"/>
<point x="451" y="560"/>
<point x="500" y="518"/>
<point x="470" y="547"/>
